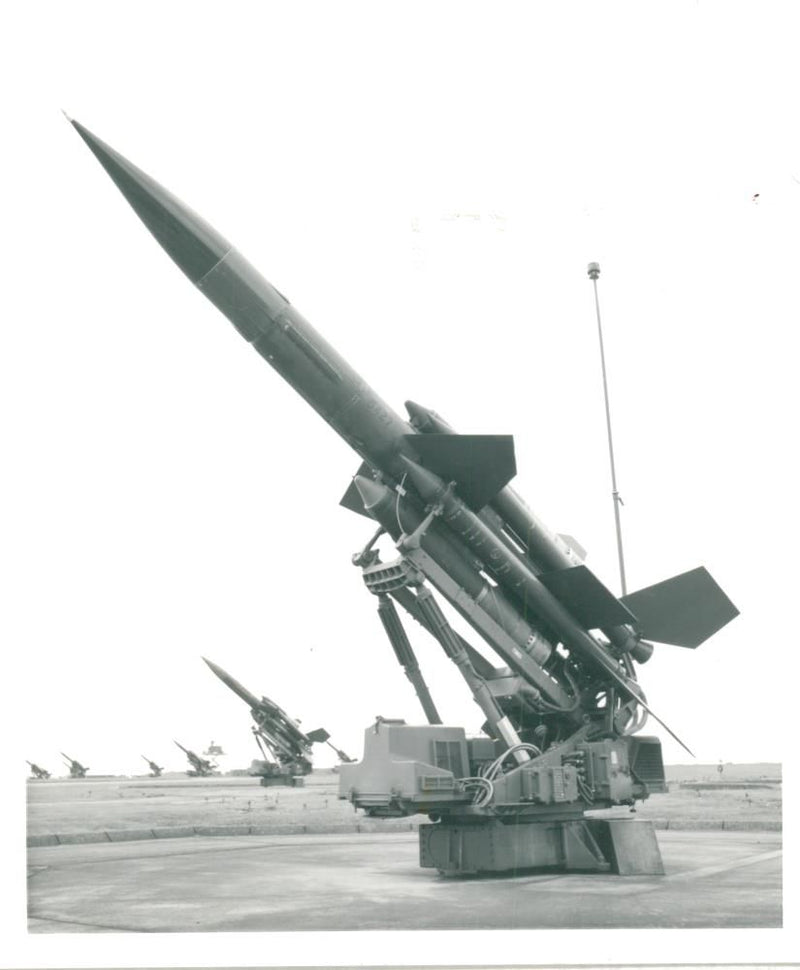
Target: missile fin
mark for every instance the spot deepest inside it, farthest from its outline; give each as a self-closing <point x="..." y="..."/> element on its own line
<point x="590" y="602"/>
<point x="318" y="736"/>
<point x="684" y="610"/>
<point x="352" y="499"/>
<point x="480" y="464"/>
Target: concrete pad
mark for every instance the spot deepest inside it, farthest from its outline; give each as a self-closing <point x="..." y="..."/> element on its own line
<point x="374" y="882"/>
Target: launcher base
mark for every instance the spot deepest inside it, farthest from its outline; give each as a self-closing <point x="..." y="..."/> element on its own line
<point x="625" y="847"/>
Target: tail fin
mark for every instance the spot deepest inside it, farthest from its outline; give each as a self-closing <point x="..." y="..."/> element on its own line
<point x="684" y="610"/>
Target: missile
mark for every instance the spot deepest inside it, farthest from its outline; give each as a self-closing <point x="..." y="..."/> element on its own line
<point x="72" y="761"/>
<point x="543" y="595"/>
<point x="273" y="724"/>
<point x="200" y="765"/>
<point x="265" y="712"/>
<point x="37" y="771"/>
<point x="154" y="768"/>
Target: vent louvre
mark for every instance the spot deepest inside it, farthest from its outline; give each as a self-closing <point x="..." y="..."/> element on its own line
<point x="447" y="755"/>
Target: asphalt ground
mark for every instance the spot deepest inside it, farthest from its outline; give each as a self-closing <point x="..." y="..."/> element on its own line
<point x="374" y="882"/>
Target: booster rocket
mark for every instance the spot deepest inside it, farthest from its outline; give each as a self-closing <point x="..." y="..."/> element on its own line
<point x="446" y="501"/>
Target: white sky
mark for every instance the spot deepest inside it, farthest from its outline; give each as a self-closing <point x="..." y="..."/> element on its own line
<point x="426" y="183"/>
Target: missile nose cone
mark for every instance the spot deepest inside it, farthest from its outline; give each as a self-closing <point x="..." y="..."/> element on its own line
<point x="250" y="699"/>
<point x="429" y="485"/>
<point x="371" y="492"/>
<point x="189" y="240"/>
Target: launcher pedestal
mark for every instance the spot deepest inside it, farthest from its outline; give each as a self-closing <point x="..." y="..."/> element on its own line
<point x="626" y="847"/>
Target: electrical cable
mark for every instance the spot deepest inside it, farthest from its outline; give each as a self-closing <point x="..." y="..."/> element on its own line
<point x="491" y="772"/>
<point x="480" y="799"/>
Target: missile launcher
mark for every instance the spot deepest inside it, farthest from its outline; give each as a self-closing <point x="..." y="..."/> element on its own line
<point x="286" y="749"/>
<point x="563" y="715"/>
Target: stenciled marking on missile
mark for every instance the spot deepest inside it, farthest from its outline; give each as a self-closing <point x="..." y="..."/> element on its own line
<point x="372" y="403"/>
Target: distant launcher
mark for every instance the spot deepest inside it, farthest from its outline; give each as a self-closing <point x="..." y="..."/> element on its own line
<point x="76" y="769"/>
<point x="200" y="767"/>
<point x="155" y="770"/>
<point x="37" y="772"/>
<point x="286" y="749"/>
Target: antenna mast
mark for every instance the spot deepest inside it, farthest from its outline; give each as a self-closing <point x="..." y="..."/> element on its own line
<point x="593" y="270"/>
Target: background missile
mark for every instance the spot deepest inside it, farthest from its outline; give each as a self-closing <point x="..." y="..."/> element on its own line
<point x="274" y="729"/>
<point x="38" y="772"/>
<point x="250" y="699"/>
<point x="154" y="768"/>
